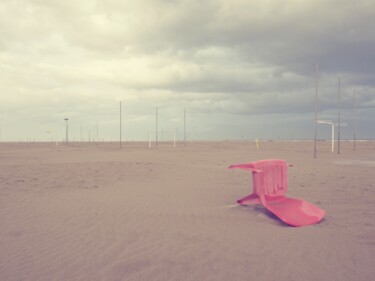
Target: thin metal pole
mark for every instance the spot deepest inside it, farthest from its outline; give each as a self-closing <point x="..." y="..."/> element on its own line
<point x="156" y="133"/>
<point x="316" y="107"/>
<point x="333" y="138"/>
<point x="66" y="130"/>
<point x="354" y="127"/>
<point x="120" y="125"/>
<point x="184" y="126"/>
<point x="97" y="130"/>
<point x="339" y="121"/>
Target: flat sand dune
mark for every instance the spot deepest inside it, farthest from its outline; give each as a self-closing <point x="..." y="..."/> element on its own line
<point x="95" y="212"/>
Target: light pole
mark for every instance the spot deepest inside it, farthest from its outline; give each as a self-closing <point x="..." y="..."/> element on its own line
<point x="66" y="130"/>
<point x="354" y="135"/>
<point x="156" y="125"/>
<point x="97" y="131"/>
<point x="316" y="106"/>
<point x="184" y="126"/>
<point x="339" y="121"/>
<point x="120" y="125"/>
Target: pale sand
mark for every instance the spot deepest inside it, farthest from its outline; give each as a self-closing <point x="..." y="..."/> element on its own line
<point x="94" y="212"/>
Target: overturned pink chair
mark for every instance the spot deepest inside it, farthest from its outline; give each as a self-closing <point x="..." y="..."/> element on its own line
<point x="270" y="183"/>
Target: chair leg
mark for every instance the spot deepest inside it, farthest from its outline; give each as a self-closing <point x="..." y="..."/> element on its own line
<point x="249" y="200"/>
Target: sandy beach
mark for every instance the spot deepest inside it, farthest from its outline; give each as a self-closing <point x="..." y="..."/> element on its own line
<point x="95" y="212"/>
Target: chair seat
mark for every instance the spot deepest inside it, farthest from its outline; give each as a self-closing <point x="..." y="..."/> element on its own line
<point x="295" y="212"/>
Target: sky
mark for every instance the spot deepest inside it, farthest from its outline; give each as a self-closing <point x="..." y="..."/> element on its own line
<point x="213" y="69"/>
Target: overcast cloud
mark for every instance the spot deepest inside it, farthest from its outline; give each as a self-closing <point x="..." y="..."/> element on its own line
<point x="241" y="68"/>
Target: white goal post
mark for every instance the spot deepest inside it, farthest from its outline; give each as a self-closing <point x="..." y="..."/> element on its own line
<point x="150" y="133"/>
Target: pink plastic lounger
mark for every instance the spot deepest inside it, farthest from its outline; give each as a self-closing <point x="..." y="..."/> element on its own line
<point x="270" y="183"/>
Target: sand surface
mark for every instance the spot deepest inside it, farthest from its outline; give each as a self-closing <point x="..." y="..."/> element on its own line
<point x="94" y="212"/>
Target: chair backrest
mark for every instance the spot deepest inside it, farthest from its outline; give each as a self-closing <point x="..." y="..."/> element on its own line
<point x="273" y="180"/>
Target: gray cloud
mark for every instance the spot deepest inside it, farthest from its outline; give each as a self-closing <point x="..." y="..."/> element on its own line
<point x="226" y="60"/>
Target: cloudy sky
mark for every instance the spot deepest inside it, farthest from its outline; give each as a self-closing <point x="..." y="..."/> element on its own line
<point x="241" y="69"/>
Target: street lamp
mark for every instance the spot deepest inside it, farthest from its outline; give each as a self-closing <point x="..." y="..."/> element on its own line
<point x="66" y="130"/>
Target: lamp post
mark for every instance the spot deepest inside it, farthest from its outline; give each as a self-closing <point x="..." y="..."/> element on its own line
<point x="184" y="126"/>
<point x="316" y="106"/>
<point x="354" y="135"/>
<point x="156" y="125"/>
<point x="66" y="130"/>
<point x="339" y="121"/>
<point x="120" y="125"/>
